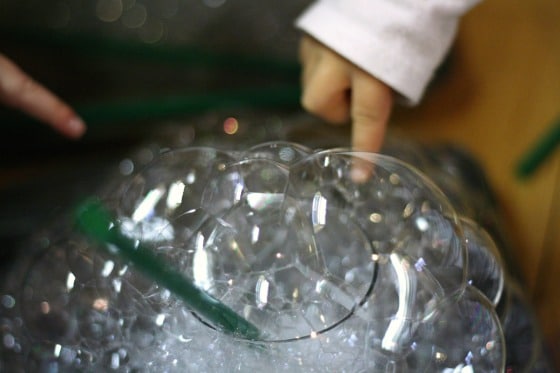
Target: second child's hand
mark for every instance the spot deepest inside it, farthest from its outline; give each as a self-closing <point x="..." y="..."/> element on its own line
<point x="19" y="91"/>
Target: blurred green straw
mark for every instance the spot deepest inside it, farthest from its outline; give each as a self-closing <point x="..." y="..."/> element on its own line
<point x="104" y="114"/>
<point x="88" y="44"/>
<point x="542" y="149"/>
<point x="95" y="221"/>
<point x="154" y="108"/>
<point x="134" y="109"/>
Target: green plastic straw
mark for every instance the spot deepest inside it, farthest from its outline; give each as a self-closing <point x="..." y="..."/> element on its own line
<point x="96" y="222"/>
<point x="540" y="151"/>
<point x="164" y="107"/>
<point x="154" y="108"/>
<point x="177" y="55"/>
<point x="105" y="114"/>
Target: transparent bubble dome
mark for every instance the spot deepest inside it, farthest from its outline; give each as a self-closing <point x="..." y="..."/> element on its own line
<point x="344" y="261"/>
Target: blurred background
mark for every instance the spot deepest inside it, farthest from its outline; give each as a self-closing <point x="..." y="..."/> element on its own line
<point x="146" y="73"/>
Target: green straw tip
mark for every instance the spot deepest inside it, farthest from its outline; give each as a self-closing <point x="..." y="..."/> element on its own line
<point x="94" y="219"/>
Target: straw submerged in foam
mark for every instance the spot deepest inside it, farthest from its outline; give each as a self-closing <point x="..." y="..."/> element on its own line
<point x="94" y="220"/>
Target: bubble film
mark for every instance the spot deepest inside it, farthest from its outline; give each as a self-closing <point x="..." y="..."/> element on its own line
<point x="339" y="272"/>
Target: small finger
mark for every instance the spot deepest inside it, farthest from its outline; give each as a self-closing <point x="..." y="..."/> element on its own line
<point x="21" y="92"/>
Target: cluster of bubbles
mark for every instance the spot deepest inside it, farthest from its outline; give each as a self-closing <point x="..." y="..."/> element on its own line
<point x="344" y="261"/>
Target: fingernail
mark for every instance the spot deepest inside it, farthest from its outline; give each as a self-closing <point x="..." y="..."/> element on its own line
<point x="76" y="126"/>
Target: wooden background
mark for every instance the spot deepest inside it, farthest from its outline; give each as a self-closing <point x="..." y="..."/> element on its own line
<point x="501" y="95"/>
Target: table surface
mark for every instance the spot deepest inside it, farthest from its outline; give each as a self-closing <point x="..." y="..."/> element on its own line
<point x="499" y="97"/>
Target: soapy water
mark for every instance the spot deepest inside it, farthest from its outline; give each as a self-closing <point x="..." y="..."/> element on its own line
<point x="338" y="274"/>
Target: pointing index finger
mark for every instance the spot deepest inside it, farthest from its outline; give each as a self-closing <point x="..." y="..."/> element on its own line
<point x="372" y="102"/>
<point x="371" y="106"/>
<point x="20" y="91"/>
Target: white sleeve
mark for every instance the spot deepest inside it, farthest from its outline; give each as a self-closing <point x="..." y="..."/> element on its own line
<point x="400" y="42"/>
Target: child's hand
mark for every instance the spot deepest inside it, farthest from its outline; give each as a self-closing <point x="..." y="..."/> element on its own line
<point x="338" y="91"/>
<point x="20" y="91"/>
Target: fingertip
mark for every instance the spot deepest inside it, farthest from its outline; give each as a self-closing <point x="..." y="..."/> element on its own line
<point x="75" y="127"/>
<point x="360" y="173"/>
